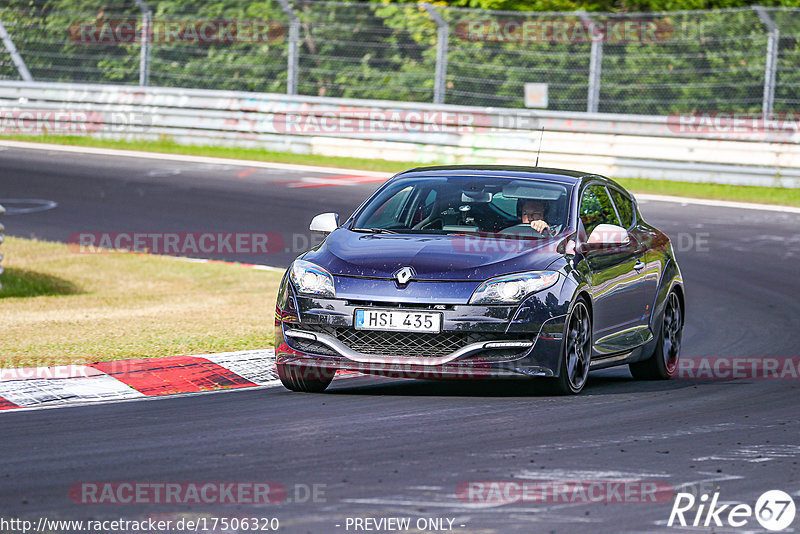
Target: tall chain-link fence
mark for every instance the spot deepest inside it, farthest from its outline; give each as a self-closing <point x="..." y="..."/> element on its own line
<point x="736" y="60"/>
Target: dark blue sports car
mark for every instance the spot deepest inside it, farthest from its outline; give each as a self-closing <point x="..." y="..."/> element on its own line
<point x="483" y="272"/>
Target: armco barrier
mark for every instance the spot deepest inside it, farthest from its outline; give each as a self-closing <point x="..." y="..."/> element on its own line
<point x="653" y="147"/>
<point x="2" y="229"/>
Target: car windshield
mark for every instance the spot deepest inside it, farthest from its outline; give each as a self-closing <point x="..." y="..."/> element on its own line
<point x="467" y="204"/>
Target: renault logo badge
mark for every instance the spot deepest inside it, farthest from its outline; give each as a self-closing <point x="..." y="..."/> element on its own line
<point x="404" y="275"/>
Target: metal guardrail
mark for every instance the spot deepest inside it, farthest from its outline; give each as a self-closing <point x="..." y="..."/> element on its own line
<point x="617" y="145"/>
<point x="2" y="229"/>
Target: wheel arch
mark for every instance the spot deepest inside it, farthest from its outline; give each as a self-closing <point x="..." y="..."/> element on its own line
<point x="580" y="292"/>
<point x="671" y="279"/>
<point x="584" y="294"/>
<point x="675" y="283"/>
<point x="678" y="287"/>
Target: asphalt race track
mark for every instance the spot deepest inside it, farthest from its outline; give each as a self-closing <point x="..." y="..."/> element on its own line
<point x="380" y="448"/>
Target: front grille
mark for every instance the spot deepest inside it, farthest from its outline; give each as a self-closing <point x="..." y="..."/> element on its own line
<point x="405" y="344"/>
<point x="399" y="305"/>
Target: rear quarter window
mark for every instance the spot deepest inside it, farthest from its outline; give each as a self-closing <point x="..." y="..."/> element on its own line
<point x="624" y="207"/>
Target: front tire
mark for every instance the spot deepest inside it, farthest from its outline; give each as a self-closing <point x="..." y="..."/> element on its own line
<point x="577" y="353"/>
<point x="663" y="364"/>
<point x="303" y="378"/>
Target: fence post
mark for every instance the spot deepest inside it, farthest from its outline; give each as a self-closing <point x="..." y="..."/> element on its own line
<point x="442" y="38"/>
<point x="771" y="68"/>
<point x="294" y="45"/>
<point x="595" y="65"/>
<point x="24" y="73"/>
<point x="144" y="58"/>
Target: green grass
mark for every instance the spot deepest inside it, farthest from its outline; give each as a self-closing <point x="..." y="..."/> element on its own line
<point x="30" y="283"/>
<point x="58" y="306"/>
<point x="739" y="193"/>
<point x="761" y="195"/>
<point x="168" y="146"/>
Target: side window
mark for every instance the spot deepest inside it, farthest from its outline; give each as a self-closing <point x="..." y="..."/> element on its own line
<point x="596" y="208"/>
<point x="624" y="207"/>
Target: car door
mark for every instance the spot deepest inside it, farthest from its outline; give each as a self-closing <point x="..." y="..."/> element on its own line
<point x="647" y="265"/>
<point x="617" y="292"/>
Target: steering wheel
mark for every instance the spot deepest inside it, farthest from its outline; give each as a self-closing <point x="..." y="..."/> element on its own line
<point x="553" y="230"/>
<point x="522" y="229"/>
<point x="525" y="229"/>
<point x="427" y="222"/>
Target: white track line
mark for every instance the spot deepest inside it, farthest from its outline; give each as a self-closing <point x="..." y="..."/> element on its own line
<point x="717" y="203"/>
<point x="190" y="159"/>
<point x="256" y="266"/>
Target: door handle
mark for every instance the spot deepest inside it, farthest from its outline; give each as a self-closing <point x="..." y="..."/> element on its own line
<point x="639" y="265"/>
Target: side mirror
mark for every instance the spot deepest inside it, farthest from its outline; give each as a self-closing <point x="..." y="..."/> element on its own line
<point x="605" y="236"/>
<point x="324" y="223"/>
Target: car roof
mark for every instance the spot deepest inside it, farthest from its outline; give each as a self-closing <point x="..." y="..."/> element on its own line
<point x="563" y="176"/>
<point x="507" y="171"/>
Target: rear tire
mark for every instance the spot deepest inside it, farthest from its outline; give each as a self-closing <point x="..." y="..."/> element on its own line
<point x="303" y="378"/>
<point x="577" y="353"/>
<point x="663" y="364"/>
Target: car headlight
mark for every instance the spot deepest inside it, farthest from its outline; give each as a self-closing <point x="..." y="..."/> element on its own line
<point x="512" y="288"/>
<point x="311" y="279"/>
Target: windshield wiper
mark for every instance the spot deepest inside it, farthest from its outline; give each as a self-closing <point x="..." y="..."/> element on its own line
<point x="374" y="230"/>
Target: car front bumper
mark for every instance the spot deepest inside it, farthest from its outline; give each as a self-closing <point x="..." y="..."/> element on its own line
<point x="475" y="342"/>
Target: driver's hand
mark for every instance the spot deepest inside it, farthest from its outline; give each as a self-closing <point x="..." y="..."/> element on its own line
<point x="540" y="226"/>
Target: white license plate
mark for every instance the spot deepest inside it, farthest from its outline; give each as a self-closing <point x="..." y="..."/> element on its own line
<point x="397" y="320"/>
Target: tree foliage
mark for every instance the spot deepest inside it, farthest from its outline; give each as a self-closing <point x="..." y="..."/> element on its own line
<point x="613" y="6"/>
<point x="387" y="50"/>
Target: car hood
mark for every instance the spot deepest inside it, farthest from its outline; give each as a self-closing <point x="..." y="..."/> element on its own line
<point x="433" y="257"/>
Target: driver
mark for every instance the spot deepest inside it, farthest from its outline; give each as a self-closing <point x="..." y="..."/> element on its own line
<point x="532" y="213"/>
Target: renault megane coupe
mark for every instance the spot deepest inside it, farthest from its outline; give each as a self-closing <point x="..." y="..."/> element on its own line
<point x="480" y="272"/>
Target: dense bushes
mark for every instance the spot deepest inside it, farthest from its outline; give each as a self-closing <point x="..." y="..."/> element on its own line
<point x="700" y="61"/>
